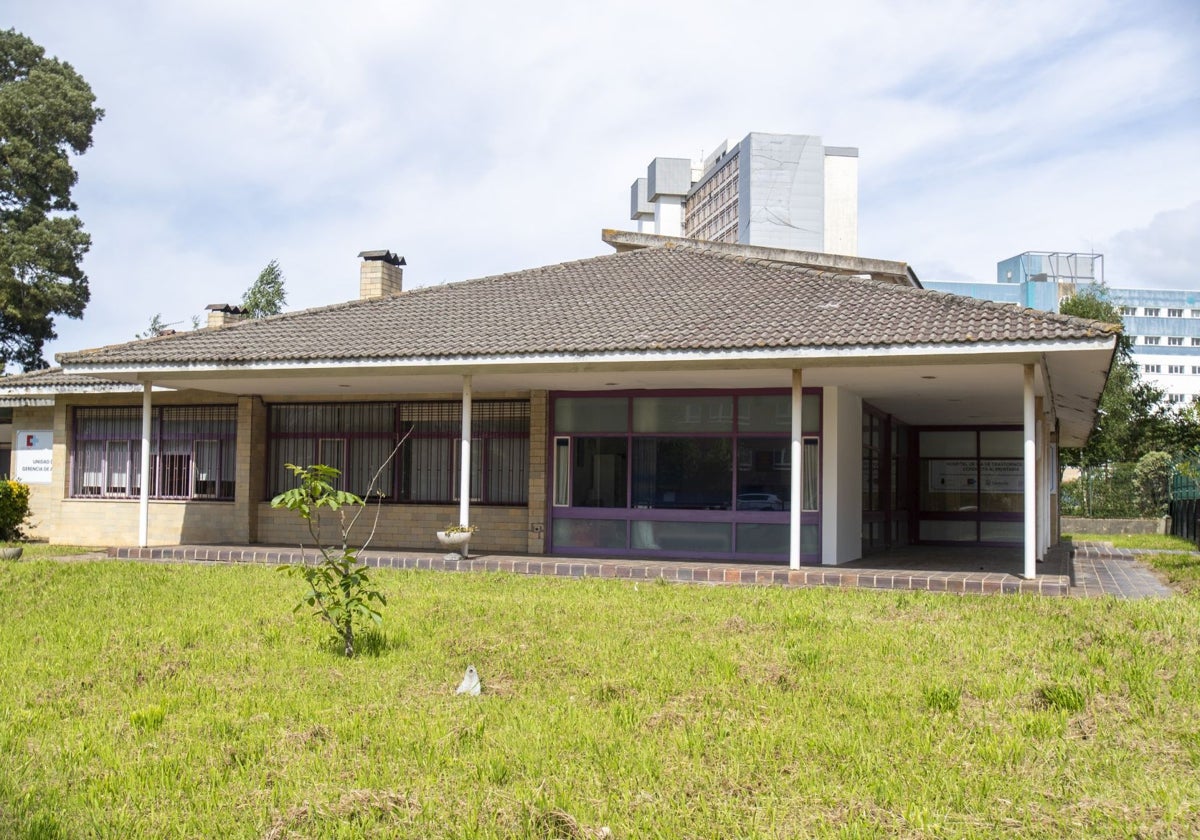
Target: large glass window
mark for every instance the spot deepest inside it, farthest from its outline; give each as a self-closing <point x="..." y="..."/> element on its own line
<point x="192" y="449"/>
<point x="358" y="438"/>
<point x="682" y="473"/>
<point x="705" y="473"/>
<point x="764" y="473"/>
<point x="600" y="473"/>
<point x="970" y="484"/>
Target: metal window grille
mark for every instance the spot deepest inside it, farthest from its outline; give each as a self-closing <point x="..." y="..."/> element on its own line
<point x="357" y="438"/>
<point x="192" y="449"/>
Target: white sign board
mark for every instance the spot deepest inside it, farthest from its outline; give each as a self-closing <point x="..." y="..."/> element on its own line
<point x="32" y="456"/>
<point x="967" y="475"/>
<point x="954" y="476"/>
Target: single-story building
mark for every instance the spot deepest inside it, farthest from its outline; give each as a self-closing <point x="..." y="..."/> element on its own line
<point x="675" y="398"/>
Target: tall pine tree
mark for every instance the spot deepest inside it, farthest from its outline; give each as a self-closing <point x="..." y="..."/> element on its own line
<point x="47" y="112"/>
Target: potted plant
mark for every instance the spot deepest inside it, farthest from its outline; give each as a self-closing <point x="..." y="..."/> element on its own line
<point x="456" y="537"/>
<point x="10" y="552"/>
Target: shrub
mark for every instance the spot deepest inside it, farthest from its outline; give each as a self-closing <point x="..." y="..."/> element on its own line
<point x="14" y="509"/>
<point x="1152" y="479"/>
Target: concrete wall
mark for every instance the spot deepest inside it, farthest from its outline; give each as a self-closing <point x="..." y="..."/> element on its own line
<point x="841" y="485"/>
<point x="782" y="182"/>
<point x="43" y="513"/>
<point x="841" y="204"/>
<point x="1080" y="525"/>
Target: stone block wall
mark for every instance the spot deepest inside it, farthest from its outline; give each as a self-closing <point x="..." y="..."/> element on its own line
<point x="501" y="529"/>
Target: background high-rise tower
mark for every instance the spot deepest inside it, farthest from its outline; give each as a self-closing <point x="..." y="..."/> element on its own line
<point x="776" y="190"/>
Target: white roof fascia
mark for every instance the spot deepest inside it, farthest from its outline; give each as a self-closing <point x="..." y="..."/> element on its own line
<point x="797" y="354"/>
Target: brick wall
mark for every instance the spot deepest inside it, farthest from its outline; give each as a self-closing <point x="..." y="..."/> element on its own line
<point x="501" y="529"/>
<point x="115" y="522"/>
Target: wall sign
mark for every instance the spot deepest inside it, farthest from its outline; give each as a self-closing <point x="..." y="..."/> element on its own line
<point x="968" y="475"/>
<point x="32" y="456"/>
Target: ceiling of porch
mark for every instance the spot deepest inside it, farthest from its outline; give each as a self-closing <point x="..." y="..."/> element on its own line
<point x="968" y="391"/>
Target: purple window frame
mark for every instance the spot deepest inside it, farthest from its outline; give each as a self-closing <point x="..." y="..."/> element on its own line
<point x="630" y="514"/>
<point x="978" y="516"/>
<point x="480" y="434"/>
<point x="225" y="482"/>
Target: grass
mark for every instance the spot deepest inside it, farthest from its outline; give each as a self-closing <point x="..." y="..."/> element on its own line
<point x="45" y="551"/>
<point x="1162" y="542"/>
<point x="142" y="700"/>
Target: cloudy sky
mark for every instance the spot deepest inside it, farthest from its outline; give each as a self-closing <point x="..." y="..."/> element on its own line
<point x="482" y="137"/>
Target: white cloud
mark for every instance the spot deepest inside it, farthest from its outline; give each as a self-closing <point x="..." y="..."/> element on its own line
<point x="493" y="137"/>
<point x="1159" y="255"/>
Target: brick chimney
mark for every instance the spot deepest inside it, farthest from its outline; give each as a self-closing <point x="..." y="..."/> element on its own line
<point x="223" y="314"/>
<point x="380" y="274"/>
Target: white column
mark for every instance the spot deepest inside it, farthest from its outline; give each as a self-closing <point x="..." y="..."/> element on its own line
<point x="668" y="215"/>
<point x="1030" y="421"/>
<point x="144" y="494"/>
<point x="464" y="476"/>
<point x="797" y="487"/>
<point x="1043" y="486"/>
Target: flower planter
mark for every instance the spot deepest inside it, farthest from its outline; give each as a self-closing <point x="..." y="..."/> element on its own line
<point x="11" y="552"/>
<point x="456" y="542"/>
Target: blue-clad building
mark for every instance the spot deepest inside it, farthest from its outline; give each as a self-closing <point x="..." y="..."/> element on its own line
<point x="1163" y="323"/>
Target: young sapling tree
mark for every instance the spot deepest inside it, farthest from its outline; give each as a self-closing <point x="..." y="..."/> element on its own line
<point x="339" y="587"/>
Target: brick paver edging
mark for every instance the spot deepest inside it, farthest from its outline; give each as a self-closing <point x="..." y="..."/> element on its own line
<point x="980" y="583"/>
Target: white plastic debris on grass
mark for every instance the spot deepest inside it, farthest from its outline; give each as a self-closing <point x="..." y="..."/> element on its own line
<point x="470" y="684"/>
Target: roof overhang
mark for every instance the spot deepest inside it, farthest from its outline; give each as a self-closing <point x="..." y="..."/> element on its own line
<point x="929" y="384"/>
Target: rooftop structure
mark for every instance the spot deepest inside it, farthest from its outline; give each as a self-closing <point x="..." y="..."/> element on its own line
<point x="775" y="190"/>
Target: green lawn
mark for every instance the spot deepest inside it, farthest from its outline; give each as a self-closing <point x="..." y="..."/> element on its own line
<point x="1155" y="541"/>
<point x="141" y="700"/>
<point x="43" y="551"/>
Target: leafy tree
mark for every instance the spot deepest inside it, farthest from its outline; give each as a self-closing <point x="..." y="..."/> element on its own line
<point x="47" y="111"/>
<point x="266" y="296"/>
<point x="155" y="327"/>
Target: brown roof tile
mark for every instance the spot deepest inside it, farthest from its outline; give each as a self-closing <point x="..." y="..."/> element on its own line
<point x="658" y="299"/>
<point x="51" y="380"/>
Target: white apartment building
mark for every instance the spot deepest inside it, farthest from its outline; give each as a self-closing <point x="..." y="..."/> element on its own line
<point x="1163" y="324"/>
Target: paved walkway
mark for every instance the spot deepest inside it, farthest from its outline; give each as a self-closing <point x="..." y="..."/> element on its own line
<point x="1100" y="569"/>
<point x="1091" y="569"/>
